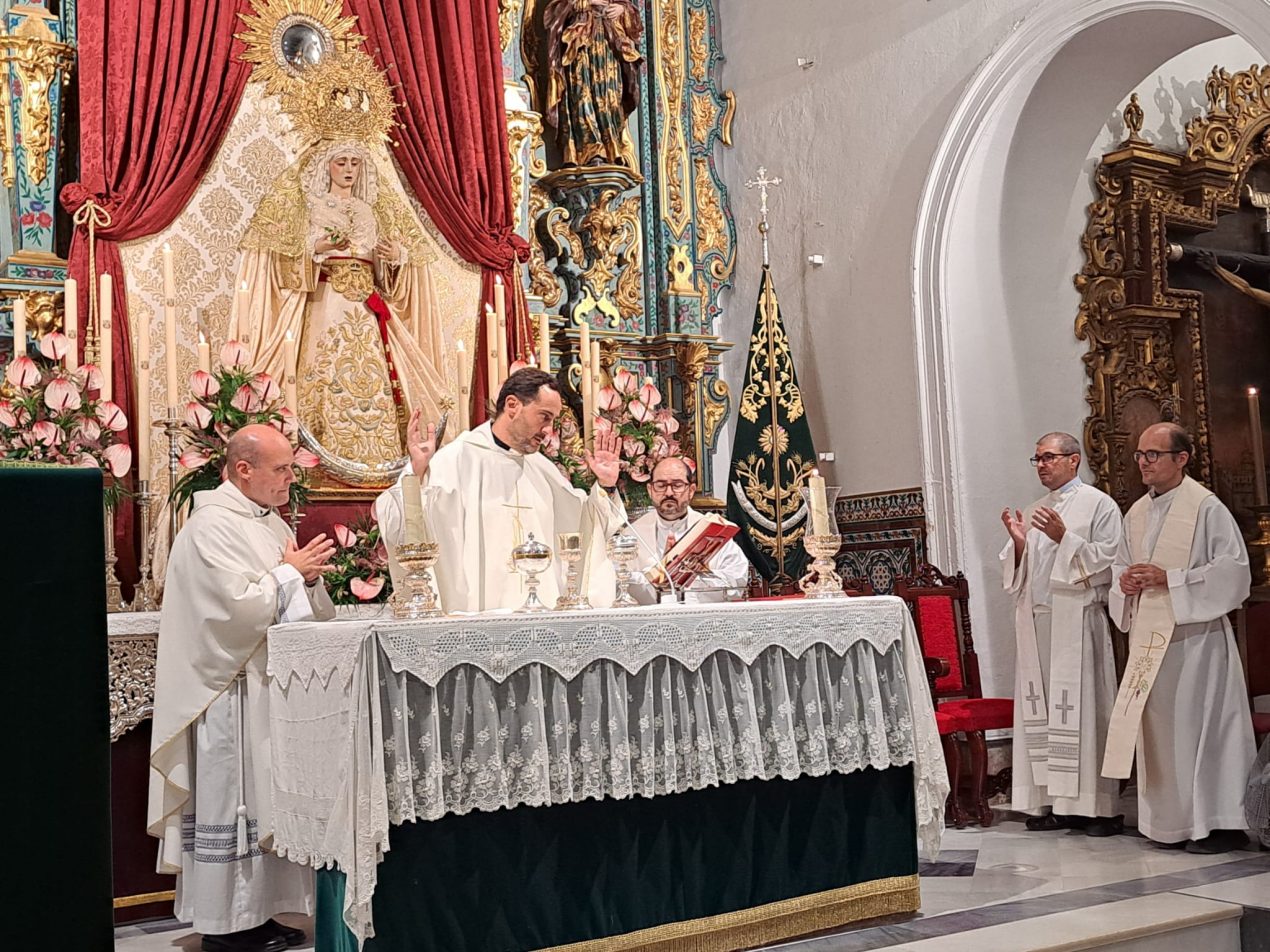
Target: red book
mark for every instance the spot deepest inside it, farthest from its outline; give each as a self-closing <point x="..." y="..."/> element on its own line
<point x="691" y="555"/>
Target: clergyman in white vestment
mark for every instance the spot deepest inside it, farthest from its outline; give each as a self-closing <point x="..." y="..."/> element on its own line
<point x="1057" y="565"/>
<point x="671" y="487"/>
<point x="489" y="488"/>
<point x="234" y="571"/>
<point x="1195" y="746"/>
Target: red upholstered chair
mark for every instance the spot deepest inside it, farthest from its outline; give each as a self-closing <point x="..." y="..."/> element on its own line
<point x="941" y="612"/>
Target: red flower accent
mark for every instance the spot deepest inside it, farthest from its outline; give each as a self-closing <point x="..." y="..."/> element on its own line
<point x="28" y="219"/>
<point x="45" y="220"/>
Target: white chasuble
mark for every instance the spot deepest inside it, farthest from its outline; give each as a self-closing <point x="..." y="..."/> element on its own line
<point x="483" y="500"/>
<point x="1194" y="744"/>
<point x="210" y="755"/>
<point x="1065" y="679"/>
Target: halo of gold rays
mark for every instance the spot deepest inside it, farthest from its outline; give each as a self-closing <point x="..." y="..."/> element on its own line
<point x="272" y="18"/>
<point x="344" y="97"/>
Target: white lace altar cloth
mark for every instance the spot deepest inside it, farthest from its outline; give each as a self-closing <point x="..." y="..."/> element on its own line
<point x="377" y="721"/>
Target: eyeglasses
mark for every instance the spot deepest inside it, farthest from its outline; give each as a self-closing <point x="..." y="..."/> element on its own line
<point x="1152" y="456"/>
<point x="677" y="486"/>
<point x="1048" y="458"/>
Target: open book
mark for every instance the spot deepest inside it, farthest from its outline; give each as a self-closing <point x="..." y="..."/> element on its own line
<point x="691" y="555"/>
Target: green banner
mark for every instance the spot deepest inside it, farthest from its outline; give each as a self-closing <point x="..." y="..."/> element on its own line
<point x="772" y="452"/>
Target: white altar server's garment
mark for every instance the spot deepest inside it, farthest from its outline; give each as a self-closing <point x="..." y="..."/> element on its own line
<point x="1065" y="675"/>
<point x="209" y="757"/>
<point x="481" y="500"/>
<point x="728" y="569"/>
<point x="1196" y="744"/>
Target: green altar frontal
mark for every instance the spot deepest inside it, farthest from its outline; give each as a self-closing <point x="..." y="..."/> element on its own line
<point x="729" y="867"/>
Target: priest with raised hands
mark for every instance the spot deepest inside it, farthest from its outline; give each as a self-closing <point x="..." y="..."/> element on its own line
<point x="1180" y="569"/>
<point x="488" y="489"/>
<point x="1057" y="565"/>
<point x="235" y="569"/>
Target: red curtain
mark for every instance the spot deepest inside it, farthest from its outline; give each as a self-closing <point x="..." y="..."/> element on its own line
<point x="444" y="58"/>
<point x="159" y="84"/>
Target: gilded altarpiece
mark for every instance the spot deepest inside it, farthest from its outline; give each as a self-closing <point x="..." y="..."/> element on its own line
<point x="639" y="253"/>
<point x="1166" y="339"/>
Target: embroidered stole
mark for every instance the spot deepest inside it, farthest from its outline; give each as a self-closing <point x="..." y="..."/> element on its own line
<point x="1153" y="623"/>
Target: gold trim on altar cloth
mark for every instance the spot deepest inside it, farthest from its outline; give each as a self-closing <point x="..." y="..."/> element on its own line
<point x="762" y="925"/>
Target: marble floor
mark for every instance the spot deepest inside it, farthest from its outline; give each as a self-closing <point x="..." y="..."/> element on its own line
<point x="985" y="878"/>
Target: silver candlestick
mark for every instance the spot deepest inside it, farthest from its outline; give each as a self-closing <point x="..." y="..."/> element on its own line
<point x="143" y="598"/>
<point x="172" y="429"/>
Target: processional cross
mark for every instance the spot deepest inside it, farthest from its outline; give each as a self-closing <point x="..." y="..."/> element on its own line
<point x="763" y="183"/>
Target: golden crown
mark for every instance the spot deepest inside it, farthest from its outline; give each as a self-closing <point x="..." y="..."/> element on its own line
<point x="343" y="97"/>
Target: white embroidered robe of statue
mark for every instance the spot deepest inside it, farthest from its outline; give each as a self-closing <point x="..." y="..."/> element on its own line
<point x="1078" y="571"/>
<point x="210" y="752"/>
<point x="1195" y="745"/>
<point x="728" y="569"/>
<point x="482" y="500"/>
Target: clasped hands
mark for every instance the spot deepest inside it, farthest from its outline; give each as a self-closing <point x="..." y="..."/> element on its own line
<point x="1045" y="519"/>
<point x="311" y="560"/>
<point x="1142" y="576"/>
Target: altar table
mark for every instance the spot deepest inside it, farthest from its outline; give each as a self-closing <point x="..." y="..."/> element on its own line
<point x="724" y="775"/>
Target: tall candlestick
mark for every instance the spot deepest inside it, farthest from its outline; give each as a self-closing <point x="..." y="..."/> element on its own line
<point x="19" y="327"/>
<point x="143" y="396"/>
<point x="289" y="384"/>
<point x="491" y="352"/>
<point x="544" y="341"/>
<point x="106" y="293"/>
<point x="584" y="382"/>
<point x="204" y="354"/>
<point x="597" y="375"/>
<point x="819" y="504"/>
<point x="412" y="502"/>
<point x="1258" y="451"/>
<point x="169" y="328"/>
<point x="464" y="385"/>
<point x="500" y="309"/>
<point x="70" y="321"/>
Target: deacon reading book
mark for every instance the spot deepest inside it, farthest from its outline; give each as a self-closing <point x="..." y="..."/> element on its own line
<point x="690" y="556"/>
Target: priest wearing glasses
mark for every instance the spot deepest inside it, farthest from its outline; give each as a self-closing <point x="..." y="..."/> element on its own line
<point x="671" y="489"/>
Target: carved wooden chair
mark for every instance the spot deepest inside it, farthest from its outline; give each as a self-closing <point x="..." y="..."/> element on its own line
<point x="941" y="613"/>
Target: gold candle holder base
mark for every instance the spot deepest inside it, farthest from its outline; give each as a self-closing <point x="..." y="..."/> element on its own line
<point x="822" y="579"/>
<point x="1259" y="548"/>
<point x="417" y="558"/>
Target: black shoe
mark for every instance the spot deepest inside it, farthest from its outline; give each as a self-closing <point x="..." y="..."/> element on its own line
<point x="1055" y="821"/>
<point x="1219" y="841"/>
<point x="1179" y="845"/>
<point x="259" y="939"/>
<point x="1105" y="826"/>
<point x="293" y="937"/>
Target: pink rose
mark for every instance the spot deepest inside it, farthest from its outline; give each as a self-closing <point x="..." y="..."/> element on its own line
<point x="89" y="377"/>
<point x="625" y="382"/>
<point x="88" y="430"/>
<point x="345" y="536"/>
<point x="111" y="417"/>
<point x="203" y="385"/>
<point x="22" y="373"/>
<point x="119" y="456"/>
<point x="195" y="458"/>
<point x="48" y="433"/>
<point x="55" y="346"/>
<point x="234" y="354"/>
<point x="649" y="394"/>
<point x="245" y="399"/>
<point x="641" y="412"/>
<point x="197" y="416"/>
<point x="7" y="416"/>
<point x="368" y="589"/>
<point x="306" y="459"/>
<point x="609" y="399"/>
<point x="61" y="395"/>
<point x="264" y="388"/>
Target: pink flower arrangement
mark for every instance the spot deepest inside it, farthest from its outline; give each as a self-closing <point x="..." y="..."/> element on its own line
<point x="359" y="571"/>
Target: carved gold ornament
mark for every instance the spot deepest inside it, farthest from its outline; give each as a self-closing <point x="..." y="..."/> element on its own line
<point x="508" y="20"/>
<point x="36" y="56"/>
<point x="345" y="97"/>
<point x="286" y="38"/>
<point x="673" y="159"/>
<point x="542" y="281"/>
<point x="522" y="125"/>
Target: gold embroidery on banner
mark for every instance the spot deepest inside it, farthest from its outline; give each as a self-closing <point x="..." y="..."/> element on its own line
<point x="345" y="394"/>
<point x="757" y="392"/>
<point x="354" y="280"/>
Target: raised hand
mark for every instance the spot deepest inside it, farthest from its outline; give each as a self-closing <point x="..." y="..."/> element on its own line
<point x="1014" y="526"/>
<point x="605" y="461"/>
<point x="312" y="560"/>
<point x="1049" y="522"/>
<point x="420" y="445"/>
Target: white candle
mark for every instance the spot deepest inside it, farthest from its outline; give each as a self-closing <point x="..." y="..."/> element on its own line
<point x="239" y="313"/>
<point x="289" y="388"/>
<point x="544" y="341"/>
<point x="106" y="294"/>
<point x="819" y="505"/>
<point x="597" y="375"/>
<point x="1258" y="451"/>
<point x="584" y="383"/>
<point x="204" y="354"/>
<point x="491" y="352"/>
<point x="500" y="309"/>
<point x="412" y="502"/>
<point x="70" y="321"/>
<point x="464" y="385"/>
<point x="19" y="327"/>
<point x="169" y="328"/>
<point x="143" y="396"/>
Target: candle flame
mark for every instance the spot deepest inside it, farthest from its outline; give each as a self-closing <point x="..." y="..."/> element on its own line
<point x="243" y="286"/>
<point x="290" y="336"/>
<point x="460" y="346"/>
<point x="201" y="338"/>
<point x="167" y="248"/>
<point x="498" y="279"/>
<point x="489" y="308"/>
<point x="815" y="472"/>
<point x="1252" y="391"/>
